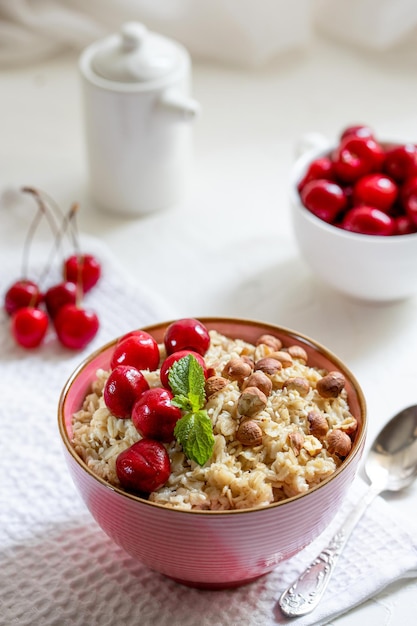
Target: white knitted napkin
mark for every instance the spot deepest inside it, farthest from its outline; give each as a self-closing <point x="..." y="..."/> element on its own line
<point x="58" y="568"/>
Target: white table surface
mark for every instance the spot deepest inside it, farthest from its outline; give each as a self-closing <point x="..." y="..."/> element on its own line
<point x="228" y="248"/>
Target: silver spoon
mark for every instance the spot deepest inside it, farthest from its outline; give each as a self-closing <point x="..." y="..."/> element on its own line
<point x="391" y="465"/>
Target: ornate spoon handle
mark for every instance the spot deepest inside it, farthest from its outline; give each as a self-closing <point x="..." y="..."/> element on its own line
<point x="305" y="593"/>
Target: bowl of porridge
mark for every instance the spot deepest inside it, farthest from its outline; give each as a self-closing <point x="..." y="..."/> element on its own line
<point x="212" y="450"/>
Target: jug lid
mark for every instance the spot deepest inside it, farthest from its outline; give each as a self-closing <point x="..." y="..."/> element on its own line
<point x="134" y="55"/>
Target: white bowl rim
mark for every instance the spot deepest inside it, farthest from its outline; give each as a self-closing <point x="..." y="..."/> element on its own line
<point x="358" y="444"/>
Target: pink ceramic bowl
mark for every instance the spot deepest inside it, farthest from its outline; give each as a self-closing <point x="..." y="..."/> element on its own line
<point x="212" y="549"/>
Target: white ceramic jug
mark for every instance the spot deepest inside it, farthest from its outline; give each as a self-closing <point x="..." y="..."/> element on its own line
<point x="138" y="109"/>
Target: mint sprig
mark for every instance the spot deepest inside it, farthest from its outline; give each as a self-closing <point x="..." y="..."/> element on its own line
<point x="193" y="430"/>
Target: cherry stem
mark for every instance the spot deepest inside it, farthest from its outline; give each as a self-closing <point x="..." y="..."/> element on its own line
<point x="43" y="210"/>
<point x="80" y="258"/>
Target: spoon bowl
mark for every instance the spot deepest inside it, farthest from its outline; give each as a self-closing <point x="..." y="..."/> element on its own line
<point x="391" y="465"/>
<point x="393" y="455"/>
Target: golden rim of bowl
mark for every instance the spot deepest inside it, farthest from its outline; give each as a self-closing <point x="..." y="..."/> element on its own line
<point x="358" y="444"/>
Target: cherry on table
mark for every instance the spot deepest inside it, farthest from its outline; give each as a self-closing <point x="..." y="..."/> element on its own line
<point x="29" y="326"/>
<point x="83" y="269"/>
<point x="144" y="467"/>
<point x="376" y="190"/>
<point x="75" y="326"/>
<point x="22" y="293"/>
<point x="187" y="334"/>
<point x="368" y="221"/>
<point x="123" y="388"/>
<point x="324" y="198"/>
<point x="176" y="356"/>
<point x="58" y="295"/>
<point x="154" y="416"/>
<point x="139" y="349"/>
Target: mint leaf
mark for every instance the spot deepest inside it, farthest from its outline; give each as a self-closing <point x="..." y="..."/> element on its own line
<point x="182" y="402"/>
<point x="186" y="379"/>
<point x="195" y="434"/>
<point x="193" y="430"/>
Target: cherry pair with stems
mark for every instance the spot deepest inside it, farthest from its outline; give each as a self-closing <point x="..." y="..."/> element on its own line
<point x="32" y="310"/>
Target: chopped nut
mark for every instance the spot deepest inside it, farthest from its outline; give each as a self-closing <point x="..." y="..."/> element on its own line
<point x="297" y="352"/>
<point x="249" y="433"/>
<point x="237" y="369"/>
<point x="338" y="443"/>
<point x="331" y="385"/>
<point x="283" y="357"/>
<point x="260" y="380"/>
<point x="251" y="401"/>
<point x="297" y="384"/>
<point x="317" y="424"/>
<point x="296" y="441"/>
<point x="268" y="366"/>
<point x="312" y="445"/>
<point x="214" y="384"/>
<point x="271" y="341"/>
<point x="349" y="426"/>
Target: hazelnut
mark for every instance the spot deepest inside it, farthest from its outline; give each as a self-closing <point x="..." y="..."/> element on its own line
<point x="251" y="401"/>
<point x="317" y="424"/>
<point x="331" y="385"/>
<point x="249" y="433"/>
<point x="268" y="366"/>
<point x="214" y="384"/>
<point x="297" y="352"/>
<point x="297" y="384"/>
<point x="338" y="443"/>
<point x="247" y="359"/>
<point x="283" y="357"/>
<point x="260" y="380"/>
<point x="237" y="369"/>
<point x="270" y="341"/>
<point x="296" y="441"/>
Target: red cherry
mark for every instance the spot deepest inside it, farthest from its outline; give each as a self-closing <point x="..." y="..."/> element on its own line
<point x="357" y="131"/>
<point x="176" y="356"/>
<point x="401" y="162"/>
<point x="75" y="326"/>
<point x="409" y="198"/>
<point x="319" y="168"/>
<point x="144" y="467"/>
<point x="368" y="221"/>
<point x="375" y="190"/>
<point x="355" y="157"/>
<point x="404" y="225"/>
<point x="154" y="416"/>
<point x="29" y="326"/>
<point x="324" y="198"/>
<point x="58" y="295"/>
<point x="187" y="334"/>
<point x="83" y="269"/>
<point x="22" y="293"/>
<point x="123" y="387"/>
<point x="139" y="349"/>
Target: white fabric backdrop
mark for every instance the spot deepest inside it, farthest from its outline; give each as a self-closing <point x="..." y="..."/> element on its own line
<point x="246" y="33"/>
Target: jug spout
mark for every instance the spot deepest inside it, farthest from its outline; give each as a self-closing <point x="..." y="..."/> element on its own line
<point x="184" y="107"/>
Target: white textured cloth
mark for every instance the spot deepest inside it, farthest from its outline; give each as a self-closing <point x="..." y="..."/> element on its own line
<point x="246" y="33"/>
<point x="57" y="568"/>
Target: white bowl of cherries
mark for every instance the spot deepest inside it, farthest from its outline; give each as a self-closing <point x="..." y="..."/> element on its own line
<point x="354" y="212"/>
